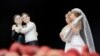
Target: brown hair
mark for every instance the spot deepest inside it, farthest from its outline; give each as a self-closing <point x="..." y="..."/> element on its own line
<point x="76" y="13"/>
<point x="25" y="14"/>
<point x="15" y="16"/>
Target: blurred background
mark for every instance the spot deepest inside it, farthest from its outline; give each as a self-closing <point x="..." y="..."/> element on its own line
<point x="48" y="16"/>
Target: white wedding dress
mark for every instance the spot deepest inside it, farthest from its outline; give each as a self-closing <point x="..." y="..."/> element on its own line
<point x="75" y="41"/>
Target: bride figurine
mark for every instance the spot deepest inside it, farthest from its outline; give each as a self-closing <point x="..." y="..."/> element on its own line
<point x="77" y="34"/>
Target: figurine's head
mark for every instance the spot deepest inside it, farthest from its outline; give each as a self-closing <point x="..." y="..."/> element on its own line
<point x="74" y="15"/>
<point x="17" y="19"/>
<point x="25" y="17"/>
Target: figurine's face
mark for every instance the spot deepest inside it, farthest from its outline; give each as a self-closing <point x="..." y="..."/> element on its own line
<point x="18" y="19"/>
<point x="72" y="16"/>
<point x="25" y="18"/>
<point x="67" y="18"/>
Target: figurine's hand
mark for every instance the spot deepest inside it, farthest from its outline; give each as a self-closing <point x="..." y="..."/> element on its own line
<point x="61" y="35"/>
<point x="18" y="29"/>
<point x="13" y="27"/>
<point x="74" y="29"/>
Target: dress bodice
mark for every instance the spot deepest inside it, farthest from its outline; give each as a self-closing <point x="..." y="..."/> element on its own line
<point x="18" y="37"/>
